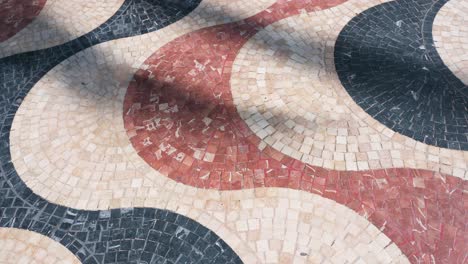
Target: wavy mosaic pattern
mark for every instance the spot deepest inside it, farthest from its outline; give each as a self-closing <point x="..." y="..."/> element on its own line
<point x="198" y="144"/>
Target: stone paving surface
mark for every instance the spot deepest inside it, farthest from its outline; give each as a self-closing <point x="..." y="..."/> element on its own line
<point x="143" y="131"/>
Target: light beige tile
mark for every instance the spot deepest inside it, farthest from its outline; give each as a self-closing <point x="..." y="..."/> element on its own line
<point x="27" y="247"/>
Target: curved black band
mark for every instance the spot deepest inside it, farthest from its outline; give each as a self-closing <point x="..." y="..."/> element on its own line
<point x="386" y="60"/>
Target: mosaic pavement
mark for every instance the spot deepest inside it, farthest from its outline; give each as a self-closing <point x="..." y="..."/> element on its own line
<point x="233" y="131"/>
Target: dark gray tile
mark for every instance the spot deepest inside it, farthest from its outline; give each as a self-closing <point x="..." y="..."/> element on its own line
<point x="386" y="60"/>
